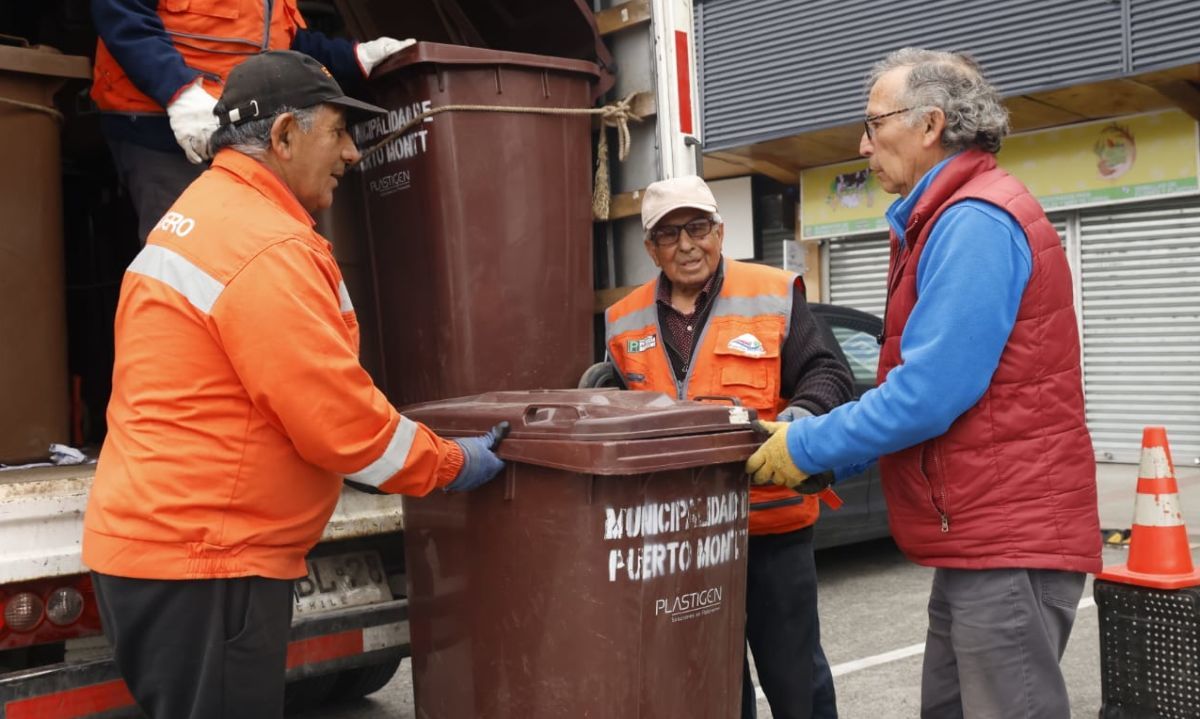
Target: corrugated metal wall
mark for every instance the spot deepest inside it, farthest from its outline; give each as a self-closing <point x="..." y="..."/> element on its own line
<point x="1141" y="326"/>
<point x="1164" y="33"/>
<point x="858" y="269"/>
<point x="775" y="68"/>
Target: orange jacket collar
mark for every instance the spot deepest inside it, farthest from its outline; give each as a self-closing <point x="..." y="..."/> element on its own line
<point x="260" y="177"/>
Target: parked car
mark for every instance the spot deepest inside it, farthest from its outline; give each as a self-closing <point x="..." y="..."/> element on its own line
<point x="863" y="517"/>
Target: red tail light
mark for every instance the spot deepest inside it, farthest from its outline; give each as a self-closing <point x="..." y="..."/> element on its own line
<point x="48" y="611"/>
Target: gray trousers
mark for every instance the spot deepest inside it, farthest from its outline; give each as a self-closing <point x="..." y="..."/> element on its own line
<point x="155" y="179"/>
<point x="994" y="643"/>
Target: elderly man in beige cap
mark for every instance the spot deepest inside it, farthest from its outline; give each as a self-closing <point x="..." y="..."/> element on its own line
<point x="708" y="325"/>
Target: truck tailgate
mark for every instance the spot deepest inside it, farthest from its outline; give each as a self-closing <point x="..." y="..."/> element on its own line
<point x="41" y="520"/>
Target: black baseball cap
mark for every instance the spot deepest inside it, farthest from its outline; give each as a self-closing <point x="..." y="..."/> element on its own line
<point x="264" y="83"/>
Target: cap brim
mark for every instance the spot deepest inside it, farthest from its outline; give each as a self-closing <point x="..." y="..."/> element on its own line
<point x="356" y="107"/>
<point x="649" y="222"/>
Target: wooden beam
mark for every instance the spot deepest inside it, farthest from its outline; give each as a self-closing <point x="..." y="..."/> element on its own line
<point x="643" y="106"/>
<point x="625" y="204"/>
<point x="608" y="298"/>
<point x="625" y="15"/>
<point x="716" y="168"/>
<point x="1030" y="113"/>
<point x="1183" y="94"/>
<point x="771" y="169"/>
<point x="1159" y="90"/>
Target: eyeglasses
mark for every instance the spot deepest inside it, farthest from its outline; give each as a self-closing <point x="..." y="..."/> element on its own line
<point x="870" y="120"/>
<point x="668" y="235"/>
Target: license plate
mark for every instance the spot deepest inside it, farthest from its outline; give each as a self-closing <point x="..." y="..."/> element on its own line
<point x="341" y="580"/>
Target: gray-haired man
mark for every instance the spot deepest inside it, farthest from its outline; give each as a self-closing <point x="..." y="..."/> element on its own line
<point x="978" y="418"/>
<point x="238" y="407"/>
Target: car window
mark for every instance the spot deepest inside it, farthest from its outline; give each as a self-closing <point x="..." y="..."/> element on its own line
<point x="862" y="352"/>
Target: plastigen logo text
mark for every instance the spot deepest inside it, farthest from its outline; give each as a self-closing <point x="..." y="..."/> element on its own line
<point x="690" y="605"/>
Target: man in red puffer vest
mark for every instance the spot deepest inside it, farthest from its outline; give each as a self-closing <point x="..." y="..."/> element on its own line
<point x="978" y="418"/>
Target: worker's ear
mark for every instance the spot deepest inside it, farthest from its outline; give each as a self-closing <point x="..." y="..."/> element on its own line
<point x="650" y="250"/>
<point x="935" y="124"/>
<point x="283" y="134"/>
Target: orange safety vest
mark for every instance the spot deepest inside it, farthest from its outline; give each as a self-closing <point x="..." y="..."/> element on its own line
<point x="213" y="36"/>
<point x="737" y="355"/>
<point x="238" y="400"/>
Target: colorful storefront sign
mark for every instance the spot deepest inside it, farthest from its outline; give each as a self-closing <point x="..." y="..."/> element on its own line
<point x="1092" y="163"/>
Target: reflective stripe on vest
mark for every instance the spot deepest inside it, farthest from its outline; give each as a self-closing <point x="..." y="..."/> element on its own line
<point x="393" y="458"/>
<point x="751" y="297"/>
<point x="344" y="302"/>
<point x="756" y="306"/>
<point x="180" y="274"/>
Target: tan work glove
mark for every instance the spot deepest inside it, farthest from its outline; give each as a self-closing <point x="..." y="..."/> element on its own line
<point x="771" y="462"/>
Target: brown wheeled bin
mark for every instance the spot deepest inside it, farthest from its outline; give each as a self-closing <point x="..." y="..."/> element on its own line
<point x="479" y="223"/>
<point x="603" y="575"/>
<point x="34" y="409"/>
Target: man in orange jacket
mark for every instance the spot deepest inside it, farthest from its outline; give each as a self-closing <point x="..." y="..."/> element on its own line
<point x="238" y="406"/>
<point x="159" y="68"/>
<point x="711" y="326"/>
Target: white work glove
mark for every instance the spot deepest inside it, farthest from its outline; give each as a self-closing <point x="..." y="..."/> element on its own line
<point x="193" y="121"/>
<point x="376" y="51"/>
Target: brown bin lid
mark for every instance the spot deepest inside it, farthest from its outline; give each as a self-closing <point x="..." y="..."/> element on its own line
<point x="441" y="54"/>
<point x="43" y="60"/>
<point x="600" y="431"/>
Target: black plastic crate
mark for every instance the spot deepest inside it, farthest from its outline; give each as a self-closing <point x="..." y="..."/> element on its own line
<point x="1149" y="651"/>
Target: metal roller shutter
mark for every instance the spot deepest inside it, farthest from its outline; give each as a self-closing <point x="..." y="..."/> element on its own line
<point x="858" y="272"/>
<point x="1141" y="326"/>
<point x="774" y="68"/>
<point x="858" y="269"/>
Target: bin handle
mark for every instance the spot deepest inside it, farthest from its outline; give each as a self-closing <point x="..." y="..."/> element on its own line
<point x="720" y="398"/>
<point x="532" y="410"/>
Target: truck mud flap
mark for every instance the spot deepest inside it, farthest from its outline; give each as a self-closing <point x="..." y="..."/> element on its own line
<point x="320" y="644"/>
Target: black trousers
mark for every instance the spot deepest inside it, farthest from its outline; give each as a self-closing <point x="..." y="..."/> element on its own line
<point x="782" y="628"/>
<point x="155" y="179"/>
<point x="199" y="649"/>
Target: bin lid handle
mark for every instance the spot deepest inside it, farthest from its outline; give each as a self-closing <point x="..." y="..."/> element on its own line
<point x="532" y="412"/>
<point x="719" y="398"/>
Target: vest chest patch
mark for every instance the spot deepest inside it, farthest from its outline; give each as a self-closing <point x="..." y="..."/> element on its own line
<point x="643" y="344"/>
<point x="748" y="345"/>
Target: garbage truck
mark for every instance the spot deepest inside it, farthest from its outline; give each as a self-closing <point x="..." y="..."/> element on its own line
<point x="63" y="204"/>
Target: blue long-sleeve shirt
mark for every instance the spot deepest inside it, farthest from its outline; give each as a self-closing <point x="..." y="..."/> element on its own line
<point x="970" y="279"/>
<point x="134" y="33"/>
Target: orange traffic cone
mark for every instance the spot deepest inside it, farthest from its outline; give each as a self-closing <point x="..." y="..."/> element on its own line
<point x="1159" y="555"/>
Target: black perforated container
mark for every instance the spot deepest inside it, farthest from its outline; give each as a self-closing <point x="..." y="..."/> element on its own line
<point x="1149" y="652"/>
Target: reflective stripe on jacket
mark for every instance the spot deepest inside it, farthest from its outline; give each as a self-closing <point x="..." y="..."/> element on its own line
<point x="1011" y="483"/>
<point x="737" y="355"/>
<point x="212" y="36"/>
<point x="238" y="399"/>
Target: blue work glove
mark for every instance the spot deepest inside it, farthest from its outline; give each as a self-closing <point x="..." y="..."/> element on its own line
<point x="480" y="463"/>
<point x="792" y="413"/>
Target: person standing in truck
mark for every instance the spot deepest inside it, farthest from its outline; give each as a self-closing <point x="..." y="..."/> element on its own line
<point x="238" y="407"/>
<point x="159" y="68"/>
<point x="978" y="417"/>
<point x="713" y="326"/>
